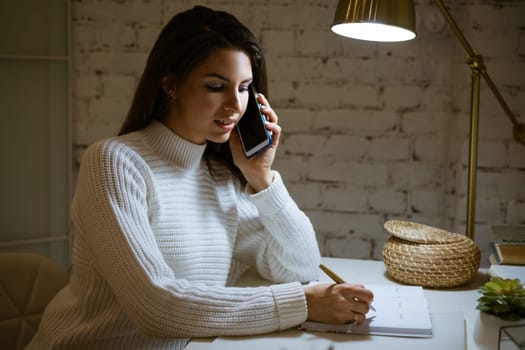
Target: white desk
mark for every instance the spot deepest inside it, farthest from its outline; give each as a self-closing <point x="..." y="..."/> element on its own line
<point x="461" y="299"/>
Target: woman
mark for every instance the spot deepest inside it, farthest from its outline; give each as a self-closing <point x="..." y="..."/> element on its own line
<point x="170" y="213"/>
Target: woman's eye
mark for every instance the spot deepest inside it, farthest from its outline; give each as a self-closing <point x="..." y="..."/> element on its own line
<point x="244" y="88"/>
<point x="214" y="87"/>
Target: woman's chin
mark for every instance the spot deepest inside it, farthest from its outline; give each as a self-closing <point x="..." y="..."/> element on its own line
<point x="221" y="139"/>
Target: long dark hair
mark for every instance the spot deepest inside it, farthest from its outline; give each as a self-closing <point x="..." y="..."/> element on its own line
<point x="188" y="39"/>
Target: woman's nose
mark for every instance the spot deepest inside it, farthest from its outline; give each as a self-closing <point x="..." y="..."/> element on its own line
<point x="233" y="102"/>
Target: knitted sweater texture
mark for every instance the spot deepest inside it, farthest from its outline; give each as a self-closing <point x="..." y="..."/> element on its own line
<point x="161" y="236"/>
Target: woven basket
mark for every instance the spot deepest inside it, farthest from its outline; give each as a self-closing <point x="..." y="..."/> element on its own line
<point x="427" y="256"/>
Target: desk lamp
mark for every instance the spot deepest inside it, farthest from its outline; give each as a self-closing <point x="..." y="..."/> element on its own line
<point x="394" y="20"/>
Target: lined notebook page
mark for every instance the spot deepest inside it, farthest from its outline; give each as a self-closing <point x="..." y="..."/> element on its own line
<point x="400" y="311"/>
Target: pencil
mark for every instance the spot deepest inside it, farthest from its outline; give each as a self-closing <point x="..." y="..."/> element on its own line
<point x="331" y="274"/>
<point x="335" y="277"/>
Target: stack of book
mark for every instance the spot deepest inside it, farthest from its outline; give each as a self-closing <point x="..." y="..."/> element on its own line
<point x="508" y="245"/>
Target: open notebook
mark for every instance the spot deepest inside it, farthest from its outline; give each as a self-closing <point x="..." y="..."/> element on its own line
<point x="400" y="311"/>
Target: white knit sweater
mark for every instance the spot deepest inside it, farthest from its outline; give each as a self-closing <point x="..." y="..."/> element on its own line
<point x="158" y="242"/>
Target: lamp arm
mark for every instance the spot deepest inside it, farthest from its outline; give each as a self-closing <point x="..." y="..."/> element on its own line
<point x="518" y="129"/>
<point x="475" y="61"/>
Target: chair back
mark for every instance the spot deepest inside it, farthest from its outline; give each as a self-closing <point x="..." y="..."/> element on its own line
<point x="28" y="282"/>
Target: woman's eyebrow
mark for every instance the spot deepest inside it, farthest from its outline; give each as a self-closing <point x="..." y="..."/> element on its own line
<point x="219" y="76"/>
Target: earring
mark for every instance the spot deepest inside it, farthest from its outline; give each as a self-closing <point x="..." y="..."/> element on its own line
<point x="171" y="95"/>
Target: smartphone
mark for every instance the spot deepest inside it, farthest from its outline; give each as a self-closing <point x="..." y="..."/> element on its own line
<point x="251" y="128"/>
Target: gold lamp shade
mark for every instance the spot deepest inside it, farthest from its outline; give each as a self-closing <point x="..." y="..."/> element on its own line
<point x="375" y="20"/>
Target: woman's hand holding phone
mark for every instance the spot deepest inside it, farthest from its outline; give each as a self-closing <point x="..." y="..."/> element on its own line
<point x="257" y="169"/>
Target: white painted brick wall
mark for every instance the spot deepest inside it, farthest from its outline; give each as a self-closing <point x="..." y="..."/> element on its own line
<point x="371" y="131"/>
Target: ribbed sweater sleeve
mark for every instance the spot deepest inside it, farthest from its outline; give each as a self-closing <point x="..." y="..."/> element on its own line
<point x="278" y="235"/>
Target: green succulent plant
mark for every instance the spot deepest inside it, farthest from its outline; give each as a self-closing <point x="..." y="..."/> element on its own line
<point x="504" y="298"/>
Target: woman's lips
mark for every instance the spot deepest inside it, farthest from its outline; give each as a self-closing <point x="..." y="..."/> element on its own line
<point x="226" y="125"/>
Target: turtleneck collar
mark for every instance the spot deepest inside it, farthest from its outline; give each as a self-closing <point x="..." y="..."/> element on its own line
<point x="184" y="153"/>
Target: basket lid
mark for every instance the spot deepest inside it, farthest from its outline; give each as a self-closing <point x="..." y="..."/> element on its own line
<point x="419" y="233"/>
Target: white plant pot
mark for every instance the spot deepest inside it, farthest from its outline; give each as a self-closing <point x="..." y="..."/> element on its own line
<point x="486" y="329"/>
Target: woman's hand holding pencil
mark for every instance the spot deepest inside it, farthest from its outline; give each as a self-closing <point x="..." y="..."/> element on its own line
<point x="336" y="278"/>
<point x="337" y="303"/>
